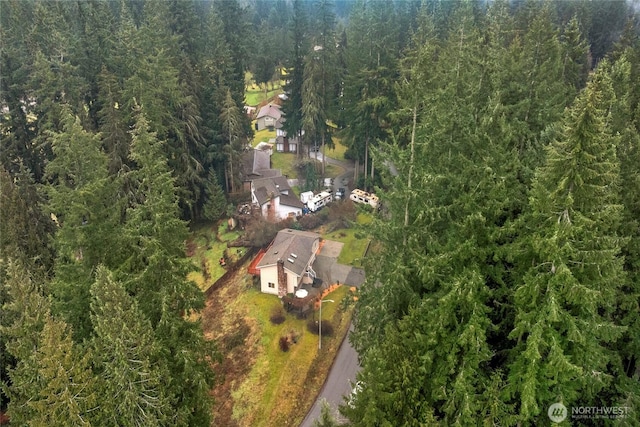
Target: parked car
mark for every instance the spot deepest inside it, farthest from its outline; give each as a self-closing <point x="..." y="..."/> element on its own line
<point x="340" y="193"/>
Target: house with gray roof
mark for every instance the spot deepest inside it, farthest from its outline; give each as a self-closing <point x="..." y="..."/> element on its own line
<point x="287" y="262"/>
<point x="269" y="117"/>
<point x="255" y="164"/>
<point x="275" y="198"/>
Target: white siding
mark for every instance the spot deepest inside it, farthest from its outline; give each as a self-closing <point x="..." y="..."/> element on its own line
<point x="292" y="282"/>
<point x="283" y="211"/>
<point x="269" y="275"/>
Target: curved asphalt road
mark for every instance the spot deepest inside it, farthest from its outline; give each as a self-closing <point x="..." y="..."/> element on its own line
<point x="345" y="178"/>
<point x="338" y="383"/>
<point x="345" y="366"/>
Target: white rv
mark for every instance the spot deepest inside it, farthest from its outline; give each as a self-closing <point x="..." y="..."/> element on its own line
<point x="319" y="200"/>
<point x="360" y="196"/>
<point x="306" y="196"/>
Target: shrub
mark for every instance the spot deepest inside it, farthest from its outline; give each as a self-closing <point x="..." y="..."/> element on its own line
<point x="327" y="327"/>
<point x="235" y="339"/>
<point x="277" y="316"/>
<point x="309" y="222"/>
<point x="342" y="213"/>
<point x="259" y="232"/>
<point x="284" y="344"/>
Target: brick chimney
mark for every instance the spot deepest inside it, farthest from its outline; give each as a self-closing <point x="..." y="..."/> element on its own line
<point x="282" y="279"/>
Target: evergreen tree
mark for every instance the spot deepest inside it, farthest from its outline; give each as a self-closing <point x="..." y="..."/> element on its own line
<point x="216" y="204"/>
<point x="112" y="122"/>
<point x="326" y="419"/>
<point x="576" y="61"/>
<point x="292" y="107"/>
<point x="216" y="73"/>
<point x="318" y="100"/>
<point x="155" y="274"/>
<point x="82" y="202"/>
<point x="231" y="120"/>
<point x="126" y="359"/>
<point x="52" y="382"/>
<point x="24" y="229"/>
<point x="65" y="387"/>
<point x="625" y="78"/>
<point x="17" y="131"/>
<point x="371" y="61"/>
<point x="564" y="323"/>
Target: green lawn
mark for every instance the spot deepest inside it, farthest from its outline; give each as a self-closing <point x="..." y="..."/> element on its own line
<point x="285" y="162"/>
<point x="339" y="150"/>
<point x="210" y="244"/>
<point x="354" y="245"/>
<point x="263" y="135"/>
<point x="276" y="373"/>
<point x="254" y="96"/>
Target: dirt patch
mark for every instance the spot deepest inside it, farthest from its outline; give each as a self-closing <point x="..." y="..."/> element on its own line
<point x="191" y="247"/>
<point x="235" y="338"/>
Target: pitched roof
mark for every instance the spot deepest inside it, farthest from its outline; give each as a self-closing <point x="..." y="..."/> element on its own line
<point x="290" y="245"/>
<point x="265" y="187"/>
<point x="270" y="110"/>
<point x="256" y="162"/>
<point x="290" y="200"/>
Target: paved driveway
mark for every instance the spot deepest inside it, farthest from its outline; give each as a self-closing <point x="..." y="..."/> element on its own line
<point x="327" y="268"/>
<point x="345" y="366"/>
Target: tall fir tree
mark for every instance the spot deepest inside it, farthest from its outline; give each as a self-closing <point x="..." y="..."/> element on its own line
<point x="155" y="274"/>
<point x="292" y="106"/>
<point x="52" y="382"/>
<point x="82" y="202"/>
<point x="565" y="302"/>
<point x="126" y="359"/>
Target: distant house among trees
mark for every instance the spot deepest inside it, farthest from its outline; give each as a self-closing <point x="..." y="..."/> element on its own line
<point x="256" y="164"/>
<point x="269" y="117"/>
<point x="284" y="144"/>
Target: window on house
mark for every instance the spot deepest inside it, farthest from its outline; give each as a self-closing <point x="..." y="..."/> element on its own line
<point x="272" y="285"/>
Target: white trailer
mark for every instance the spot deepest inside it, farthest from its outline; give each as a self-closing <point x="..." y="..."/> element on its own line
<point x="360" y="196"/>
<point x="306" y="196"/>
<point x="319" y="201"/>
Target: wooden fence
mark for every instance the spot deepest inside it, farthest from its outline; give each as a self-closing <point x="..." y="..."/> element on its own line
<point x="232" y="268"/>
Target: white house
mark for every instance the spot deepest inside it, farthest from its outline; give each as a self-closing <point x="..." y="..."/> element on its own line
<point x="287" y="261"/>
<point x="275" y="198"/>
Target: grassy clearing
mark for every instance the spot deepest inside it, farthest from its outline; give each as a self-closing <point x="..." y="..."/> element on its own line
<point x="208" y="244"/>
<point x="263" y="135"/>
<point x="354" y="239"/>
<point x="285" y="162"/>
<point x="225" y="235"/>
<point x="259" y="401"/>
<point x="255" y="95"/>
<point x="339" y="150"/>
<point x="354" y="245"/>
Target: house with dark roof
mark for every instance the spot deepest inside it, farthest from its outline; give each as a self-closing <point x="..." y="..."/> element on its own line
<point x="275" y="198"/>
<point x="286" y="264"/>
<point x="269" y="117"/>
<point x="255" y="164"/>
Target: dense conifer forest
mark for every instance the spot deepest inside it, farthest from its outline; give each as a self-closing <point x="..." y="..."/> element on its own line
<point x="501" y="136"/>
